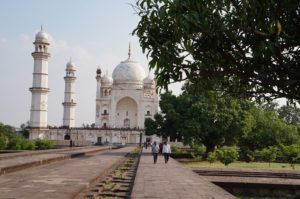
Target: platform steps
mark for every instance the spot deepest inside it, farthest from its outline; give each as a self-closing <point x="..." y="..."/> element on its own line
<point x="256" y="174"/>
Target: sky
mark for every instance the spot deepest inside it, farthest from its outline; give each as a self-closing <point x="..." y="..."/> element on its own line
<point x="91" y="32"/>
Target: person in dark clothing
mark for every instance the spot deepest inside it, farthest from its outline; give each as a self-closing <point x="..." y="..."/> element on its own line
<point x="166" y="151"/>
<point x="160" y="148"/>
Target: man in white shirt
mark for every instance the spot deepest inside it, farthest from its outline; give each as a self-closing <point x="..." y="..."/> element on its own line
<point x="166" y="151"/>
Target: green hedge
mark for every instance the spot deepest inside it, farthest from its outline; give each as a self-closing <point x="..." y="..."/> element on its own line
<point x="44" y="144"/>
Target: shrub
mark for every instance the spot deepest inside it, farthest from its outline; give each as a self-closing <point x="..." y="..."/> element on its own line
<point x="291" y="154"/>
<point x="197" y="151"/>
<point x="19" y="143"/>
<point x="227" y="155"/>
<point x="14" y="143"/>
<point x="177" y="150"/>
<point x="247" y="155"/>
<point x="212" y="157"/>
<point x="27" y="145"/>
<point x="2" y="142"/>
<point x="195" y="156"/>
<point x="198" y="148"/>
<point x="269" y="154"/>
<point x="44" y="144"/>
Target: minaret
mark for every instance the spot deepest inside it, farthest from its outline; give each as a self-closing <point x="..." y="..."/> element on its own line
<point x="39" y="89"/>
<point x="69" y="103"/>
<point x="98" y="96"/>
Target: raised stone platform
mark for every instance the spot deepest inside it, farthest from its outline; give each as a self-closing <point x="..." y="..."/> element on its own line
<point x="22" y="160"/>
<point x="60" y="180"/>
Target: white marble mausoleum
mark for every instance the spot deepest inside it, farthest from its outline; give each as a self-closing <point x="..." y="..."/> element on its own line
<point x="123" y="102"/>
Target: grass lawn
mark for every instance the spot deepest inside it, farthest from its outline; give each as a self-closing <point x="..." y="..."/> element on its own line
<point x="240" y="165"/>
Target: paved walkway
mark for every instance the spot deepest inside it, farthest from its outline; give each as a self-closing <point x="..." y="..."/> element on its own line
<point x="172" y="181"/>
<point x="16" y="162"/>
<point x="59" y="180"/>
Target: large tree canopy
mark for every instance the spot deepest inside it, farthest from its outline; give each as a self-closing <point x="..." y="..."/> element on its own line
<point x="248" y="48"/>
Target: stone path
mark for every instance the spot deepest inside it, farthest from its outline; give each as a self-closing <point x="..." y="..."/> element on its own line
<point x="17" y="162"/>
<point x="172" y="181"/>
<point x="59" y="180"/>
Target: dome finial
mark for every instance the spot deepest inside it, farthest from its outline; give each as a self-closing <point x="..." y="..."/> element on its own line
<point x="41" y="27"/>
<point x="129" y="51"/>
<point x="98" y="71"/>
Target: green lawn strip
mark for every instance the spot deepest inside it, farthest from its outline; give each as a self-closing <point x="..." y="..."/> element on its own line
<point x="241" y="165"/>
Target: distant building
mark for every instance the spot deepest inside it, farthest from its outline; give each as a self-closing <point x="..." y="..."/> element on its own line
<point x="126" y="99"/>
<point x="122" y="102"/>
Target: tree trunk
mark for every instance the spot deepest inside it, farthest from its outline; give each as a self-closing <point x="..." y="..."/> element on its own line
<point x="209" y="148"/>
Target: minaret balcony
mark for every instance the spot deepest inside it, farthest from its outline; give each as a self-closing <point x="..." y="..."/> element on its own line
<point x="69" y="103"/>
<point x="41" y="55"/>
<point x="39" y="89"/>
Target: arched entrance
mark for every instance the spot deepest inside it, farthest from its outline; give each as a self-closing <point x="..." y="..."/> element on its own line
<point x="67" y="137"/>
<point x="126" y="113"/>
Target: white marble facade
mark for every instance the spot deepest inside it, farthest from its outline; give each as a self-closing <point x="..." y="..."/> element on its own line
<point x="126" y="99"/>
<point x="123" y="102"/>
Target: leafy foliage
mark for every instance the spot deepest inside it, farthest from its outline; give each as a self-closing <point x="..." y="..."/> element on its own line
<point x="247" y="48"/>
<point x="11" y="141"/>
<point x="227" y="155"/>
<point x="269" y="154"/>
<point x="264" y="129"/>
<point x="246" y="154"/>
<point x="2" y="142"/>
<point x="290" y="114"/>
<point x="291" y="154"/>
<point x="44" y="144"/>
<point x="212" y="157"/>
<point x="214" y="119"/>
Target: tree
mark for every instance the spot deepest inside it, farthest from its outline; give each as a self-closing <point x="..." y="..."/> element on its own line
<point x="2" y="142"/>
<point x="290" y="114"/>
<point x="212" y="157"/>
<point x="247" y="48"/>
<point x="264" y="128"/>
<point x="227" y="155"/>
<point x="213" y="119"/>
<point x="199" y="117"/>
<point x="291" y="154"/>
<point x="269" y="154"/>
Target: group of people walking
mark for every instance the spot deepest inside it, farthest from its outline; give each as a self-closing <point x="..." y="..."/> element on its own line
<point x="164" y="149"/>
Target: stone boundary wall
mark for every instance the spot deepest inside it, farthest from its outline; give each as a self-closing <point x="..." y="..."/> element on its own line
<point x="83" y="137"/>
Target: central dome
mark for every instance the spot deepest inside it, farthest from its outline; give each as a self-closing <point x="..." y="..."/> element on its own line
<point x="128" y="71"/>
